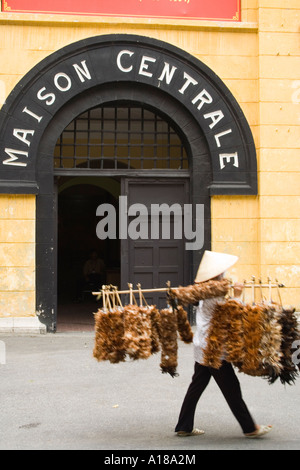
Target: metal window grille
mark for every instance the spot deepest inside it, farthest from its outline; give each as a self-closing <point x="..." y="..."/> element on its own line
<point x="120" y="137"/>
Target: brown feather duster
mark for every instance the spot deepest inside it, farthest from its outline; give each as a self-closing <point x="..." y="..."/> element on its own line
<point x="137" y="332"/>
<point x="216" y="339"/>
<point x="155" y="332"/>
<point x="168" y="337"/>
<point x="184" y="327"/>
<point x="248" y="335"/>
<point x="253" y="330"/>
<point x="233" y="313"/>
<point x="205" y="290"/>
<point x="270" y="348"/>
<point x="109" y="334"/>
<point x="289" y="334"/>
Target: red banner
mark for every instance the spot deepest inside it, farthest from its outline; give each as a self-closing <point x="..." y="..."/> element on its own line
<point x="219" y="10"/>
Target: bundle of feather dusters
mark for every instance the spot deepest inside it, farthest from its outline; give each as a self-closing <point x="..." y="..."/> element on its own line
<point x="192" y="294"/>
<point x="138" y="332"/>
<point x="257" y="339"/>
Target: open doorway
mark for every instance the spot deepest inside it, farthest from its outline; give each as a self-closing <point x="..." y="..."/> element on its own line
<point x="78" y="199"/>
<point x="106" y="145"/>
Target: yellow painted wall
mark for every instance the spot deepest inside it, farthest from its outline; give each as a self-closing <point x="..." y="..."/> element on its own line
<point x="259" y="61"/>
<point x="17" y="256"/>
<point x="279" y="169"/>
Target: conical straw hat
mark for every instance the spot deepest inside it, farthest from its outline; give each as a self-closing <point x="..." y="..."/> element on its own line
<point x="213" y="264"/>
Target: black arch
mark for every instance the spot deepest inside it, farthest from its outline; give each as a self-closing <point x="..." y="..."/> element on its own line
<point x="46" y="223"/>
<point x="99" y="54"/>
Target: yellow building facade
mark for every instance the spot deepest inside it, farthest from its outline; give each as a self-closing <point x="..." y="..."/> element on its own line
<point x="258" y="59"/>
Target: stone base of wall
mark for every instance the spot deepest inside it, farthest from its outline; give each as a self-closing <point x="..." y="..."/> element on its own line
<point x="22" y="325"/>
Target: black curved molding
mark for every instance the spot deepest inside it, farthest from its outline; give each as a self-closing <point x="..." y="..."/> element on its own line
<point x="36" y="101"/>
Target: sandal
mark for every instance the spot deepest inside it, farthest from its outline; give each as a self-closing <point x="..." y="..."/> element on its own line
<point x="194" y="432"/>
<point x="263" y="429"/>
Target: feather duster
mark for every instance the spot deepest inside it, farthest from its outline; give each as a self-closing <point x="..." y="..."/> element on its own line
<point x="253" y="330"/>
<point x="205" y="290"/>
<point x="109" y="334"/>
<point x="216" y="338"/>
<point x="137" y="332"/>
<point x="233" y="313"/>
<point x="289" y="334"/>
<point x="258" y="339"/>
<point x="155" y="332"/>
<point x="183" y="324"/>
<point x="168" y="338"/>
<point x="270" y="348"/>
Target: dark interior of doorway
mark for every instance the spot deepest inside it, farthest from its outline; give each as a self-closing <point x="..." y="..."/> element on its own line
<point x="78" y="199"/>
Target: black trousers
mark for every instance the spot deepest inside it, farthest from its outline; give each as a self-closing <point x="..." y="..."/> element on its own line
<point x="229" y="386"/>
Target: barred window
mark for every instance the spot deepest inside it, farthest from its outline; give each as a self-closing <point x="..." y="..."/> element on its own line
<point x="120" y="137"/>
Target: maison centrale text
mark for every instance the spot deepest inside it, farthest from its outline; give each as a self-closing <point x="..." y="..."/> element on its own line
<point x="126" y="61"/>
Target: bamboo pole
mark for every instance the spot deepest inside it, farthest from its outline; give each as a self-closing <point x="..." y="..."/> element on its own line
<point x="131" y="291"/>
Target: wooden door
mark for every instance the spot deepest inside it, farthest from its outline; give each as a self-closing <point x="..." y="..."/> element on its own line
<point x="154" y="261"/>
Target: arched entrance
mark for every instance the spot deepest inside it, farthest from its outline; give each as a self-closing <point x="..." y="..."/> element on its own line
<point x="122" y="137"/>
<point x="121" y="70"/>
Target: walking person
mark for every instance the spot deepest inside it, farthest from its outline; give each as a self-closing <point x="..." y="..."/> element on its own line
<point x="213" y="266"/>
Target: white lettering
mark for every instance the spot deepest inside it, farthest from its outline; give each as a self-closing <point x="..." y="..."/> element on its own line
<point x="62" y="75"/>
<point x="161" y="222"/>
<point x="144" y="66"/>
<point x="198" y="234"/>
<point x="227" y="157"/>
<point x="203" y="97"/>
<point x="12" y="154"/>
<point x="189" y="80"/>
<point x="35" y="116"/>
<point x="115" y="460"/>
<point x="21" y="134"/>
<point x="167" y="73"/>
<point x="49" y="97"/>
<point x="63" y="83"/>
<point x="215" y="116"/>
<point x="82" y="72"/>
<point x="109" y="221"/>
<point x="217" y="136"/>
<point x="141" y="221"/>
<point x="123" y="69"/>
<point x="166" y="210"/>
<point x="296" y="354"/>
<point x="123" y="215"/>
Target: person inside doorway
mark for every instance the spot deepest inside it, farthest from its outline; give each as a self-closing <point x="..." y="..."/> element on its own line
<point x="213" y="266"/>
<point x="94" y="271"/>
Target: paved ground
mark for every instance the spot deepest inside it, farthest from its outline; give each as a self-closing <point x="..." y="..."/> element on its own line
<point x="55" y="395"/>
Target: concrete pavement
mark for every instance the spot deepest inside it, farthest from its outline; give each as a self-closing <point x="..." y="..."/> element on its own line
<point x="55" y="395"/>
